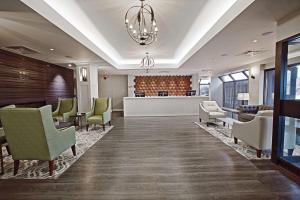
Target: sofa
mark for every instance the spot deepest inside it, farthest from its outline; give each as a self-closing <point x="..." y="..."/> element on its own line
<point x="209" y="111"/>
<point x="248" y="112"/>
<point x="258" y="133"/>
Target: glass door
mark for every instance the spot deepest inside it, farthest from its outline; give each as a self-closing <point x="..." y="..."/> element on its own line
<point x="286" y="124"/>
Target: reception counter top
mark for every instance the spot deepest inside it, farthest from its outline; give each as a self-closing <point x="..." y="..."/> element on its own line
<point x="162" y="105"/>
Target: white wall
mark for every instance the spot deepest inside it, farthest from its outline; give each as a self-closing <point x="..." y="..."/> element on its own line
<point x="116" y="87"/>
<point x="288" y="28"/>
<point x="256" y="85"/>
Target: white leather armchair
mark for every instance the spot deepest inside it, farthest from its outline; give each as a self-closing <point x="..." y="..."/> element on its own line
<point x="258" y="133"/>
<point x="209" y="111"/>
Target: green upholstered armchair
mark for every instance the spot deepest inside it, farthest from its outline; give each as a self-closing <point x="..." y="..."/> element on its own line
<point x="31" y="135"/>
<point x="66" y="110"/>
<point x="100" y="113"/>
<point x="3" y="142"/>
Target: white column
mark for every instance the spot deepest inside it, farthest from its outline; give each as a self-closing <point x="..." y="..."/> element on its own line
<point x="93" y="82"/>
<point x="86" y="90"/>
<point x="195" y="83"/>
<point x="256" y="84"/>
<point x="131" y="85"/>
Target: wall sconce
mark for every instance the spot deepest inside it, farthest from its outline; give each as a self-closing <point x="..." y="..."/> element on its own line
<point x="83" y="74"/>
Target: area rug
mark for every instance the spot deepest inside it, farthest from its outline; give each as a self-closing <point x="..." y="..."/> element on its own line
<point x="220" y="132"/>
<point x="39" y="169"/>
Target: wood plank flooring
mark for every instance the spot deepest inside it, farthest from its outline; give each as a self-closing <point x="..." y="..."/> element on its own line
<point x="158" y="158"/>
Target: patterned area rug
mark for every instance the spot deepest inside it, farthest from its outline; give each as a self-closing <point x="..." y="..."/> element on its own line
<point x="222" y="133"/>
<point x="39" y="169"/>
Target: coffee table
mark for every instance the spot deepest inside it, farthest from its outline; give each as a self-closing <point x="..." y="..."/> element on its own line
<point x="229" y="122"/>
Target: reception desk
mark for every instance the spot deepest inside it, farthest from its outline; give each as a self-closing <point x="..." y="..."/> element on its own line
<point x="162" y="106"/>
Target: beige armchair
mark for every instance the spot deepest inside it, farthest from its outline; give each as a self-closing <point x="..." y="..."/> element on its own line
<point x="209" y="111"/>
<point x="258" y="133"/>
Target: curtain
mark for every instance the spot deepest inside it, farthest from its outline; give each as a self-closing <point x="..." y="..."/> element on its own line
<point x="231" y="90"/>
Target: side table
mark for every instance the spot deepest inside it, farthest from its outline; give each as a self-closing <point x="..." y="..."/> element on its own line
<point x="80" y="117"/>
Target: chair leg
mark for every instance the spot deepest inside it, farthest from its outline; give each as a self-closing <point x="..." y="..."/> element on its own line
<point x="235" y="140"/>
<point x="109" y="123"/>
<point x="73" y="150"/>
<point x="51" y="167"/>
<point x="87" y="127"/>
<point x="290" y="152"/>
<point x="258" y="153"/>
<point x="1" y="160"/>
<point x="103" y="126"/>
<point x="16" y="166"/>
<point x="8" y="150"/>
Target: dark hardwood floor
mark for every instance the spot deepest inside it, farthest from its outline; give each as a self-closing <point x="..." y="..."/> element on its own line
<point x="159" y="158"/>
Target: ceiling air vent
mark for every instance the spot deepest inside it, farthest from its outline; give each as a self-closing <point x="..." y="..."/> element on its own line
<point x="252" y="53"/>
<point x="20" y="50"/>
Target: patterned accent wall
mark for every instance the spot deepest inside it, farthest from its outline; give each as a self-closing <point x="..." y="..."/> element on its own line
<point x="175" y="85"/>
<point x="32" y="83"/>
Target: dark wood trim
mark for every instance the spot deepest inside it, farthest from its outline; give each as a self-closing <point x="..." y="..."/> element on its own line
<point x="290" y="108"/>
<point x="282" y="107"/>
<point x="280" y="75"/>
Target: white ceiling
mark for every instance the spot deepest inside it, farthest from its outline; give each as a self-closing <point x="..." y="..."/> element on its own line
<point x="20" y="25"/>
<point x="185" y="26"/>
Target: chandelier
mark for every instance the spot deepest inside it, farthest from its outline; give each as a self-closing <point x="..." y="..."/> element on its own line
<point x="147" y="62"/>
<point x="141" y="24"/>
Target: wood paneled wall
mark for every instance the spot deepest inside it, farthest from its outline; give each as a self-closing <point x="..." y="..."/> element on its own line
<point x="27" y="81"/>
<point x="175" y="85"/>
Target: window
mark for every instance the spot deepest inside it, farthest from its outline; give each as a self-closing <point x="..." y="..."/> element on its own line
<point x="226" y="78"/>
<point x="292" y="90"/>
<point x="204" y="90"/>
<point x="204" y="87"/>
<point x="269" y="84"/>
<point x="239" y="76"/>
<point x="233" y="84"/>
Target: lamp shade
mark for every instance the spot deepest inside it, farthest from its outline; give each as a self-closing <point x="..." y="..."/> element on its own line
<point x="243" y="96"/>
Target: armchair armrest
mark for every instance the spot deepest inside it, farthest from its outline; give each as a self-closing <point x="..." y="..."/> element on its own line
<point x="106" y="116"/>
<point x="89" y="114"/>
<point x="56" y="112"/>
<point x="72" y="113"/>
<point x="203" y="113"/>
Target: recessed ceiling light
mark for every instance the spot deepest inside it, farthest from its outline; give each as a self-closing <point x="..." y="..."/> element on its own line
<point x="51" y="49"/>
<point x="254" y="41"/>
<point x="70" y="65"/>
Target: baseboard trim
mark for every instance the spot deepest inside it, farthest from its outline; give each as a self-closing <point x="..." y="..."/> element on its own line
<point x="118" y="110"/>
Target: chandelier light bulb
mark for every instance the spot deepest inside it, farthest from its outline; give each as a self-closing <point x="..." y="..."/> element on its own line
<point x="141" y="24"/>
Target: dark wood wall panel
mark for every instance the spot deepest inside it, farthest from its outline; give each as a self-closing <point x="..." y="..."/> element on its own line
<point x="27" y="81"/>
<point x="175" y="85"/>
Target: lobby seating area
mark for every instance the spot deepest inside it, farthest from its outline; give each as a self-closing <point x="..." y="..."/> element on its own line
<point x="149" y="100"/>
